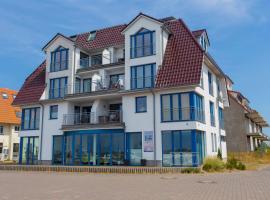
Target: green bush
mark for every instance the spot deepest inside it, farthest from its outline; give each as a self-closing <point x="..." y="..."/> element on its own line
<point x="191" y="170"/>
<point x="212" y="164"/>
<point x="233" y="163"/>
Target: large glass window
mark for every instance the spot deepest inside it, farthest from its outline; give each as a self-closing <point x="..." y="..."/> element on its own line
<point x="58" y="88"/>
<point x="59" y="59"/>
<point x="210" y="83"/>
<point x="134" y="148"/>
<point x="30" y="118"/>
<point x="58" y="150"/>
<point x="105" y="149"/>
<point x="181" y="107"/>
<point x="68" y="150"/>
<point x="143" y="76"/>
<point x="143" y="43"/>
<point x="87" y="85"/>
<point x="182" y="148"/>
<point x="29" y="150"/>
<point x="141" y="104"/>
<point x="118" y="149"/>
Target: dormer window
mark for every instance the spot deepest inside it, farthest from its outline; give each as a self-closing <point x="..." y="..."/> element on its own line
<point x="4" y="96"/>
<point x="143" y="43"/>
<point x="92" y="35"/>
<point x="59" y="59"/>
<point x="203" y="43"/>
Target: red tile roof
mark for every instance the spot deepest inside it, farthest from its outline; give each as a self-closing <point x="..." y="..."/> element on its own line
<point x="7" y="111"/>
<point x="33" y="87"/>
<point x="106" y="37"/>
<point x="198" y="33"/>
<point x="182" y="63"/>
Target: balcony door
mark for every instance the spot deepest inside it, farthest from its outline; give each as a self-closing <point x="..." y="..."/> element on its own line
<point x="86" y="114"/>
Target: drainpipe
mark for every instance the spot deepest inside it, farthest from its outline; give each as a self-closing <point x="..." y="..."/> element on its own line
<point x="41" y="133"/>
<point x="154" y="122"/>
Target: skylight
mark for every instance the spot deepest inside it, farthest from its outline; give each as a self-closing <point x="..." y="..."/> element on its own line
<point x="4" y="95"/>
<point x="92" y="35"/>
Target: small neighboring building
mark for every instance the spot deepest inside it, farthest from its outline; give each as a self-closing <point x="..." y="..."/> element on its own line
<point x="243" y="125"/>
<point x="9" y="125"/>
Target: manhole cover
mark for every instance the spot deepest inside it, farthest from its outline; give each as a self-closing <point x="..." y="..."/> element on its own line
<point x="207" y="182"/>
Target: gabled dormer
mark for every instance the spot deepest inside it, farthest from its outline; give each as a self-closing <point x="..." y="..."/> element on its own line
<point x="202" y="38"/>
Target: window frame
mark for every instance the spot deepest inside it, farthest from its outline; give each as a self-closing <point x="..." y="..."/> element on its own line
<point x="60" y="50"/>
<point x="212" y="113"/>
<point x="52" y="87"/>
<point x="133" y="49"/>
<point x="136" y="104"/>
<point x="210" y="83"/>
<point x="194" y="98"/>
<point x="1" y="130"/>
<point x="36" y="125"/>
<point x="135" y="68"/>
<point x="51" y="109"/>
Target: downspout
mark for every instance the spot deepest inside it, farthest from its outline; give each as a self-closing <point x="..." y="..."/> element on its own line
<point x="154" y="123"/>
<point x="41" y="133"/>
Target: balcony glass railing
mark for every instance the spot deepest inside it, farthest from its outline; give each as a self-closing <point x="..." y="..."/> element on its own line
<point x="92" y="118"/>
<point x="55" y="93"/>
<point x="142" y="82"/>
<point x="99" y="60"/>
<point x="101" y="85"/>
<point x="183" y="114"/>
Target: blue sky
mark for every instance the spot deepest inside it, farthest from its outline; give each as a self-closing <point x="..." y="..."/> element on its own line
<point x="238" y="29"/>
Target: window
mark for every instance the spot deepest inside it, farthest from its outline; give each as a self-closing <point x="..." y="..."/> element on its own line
<point x="18" y="114"/>
<point x="221" y="118"/>
<point x="1" y="147"/>
<point x="87" y="85"/>
<point x="17" y="128"/>
<point x="92" y="35"/>
<point x="201" y="82"/>
<point x="143" y="76"/>
<point x="143" y="43"/>
<point x="1" y="130"/>
<point x="30" y="118"/>
<point x="54" y="112"/>
<point x="223" y="138"/>
<point x="214" y="142"/>
<point x="29" y="150"/>
<point x="58" y="88"/>
<point x="14" y="96"/>
<point x="218" y="88"/>
<point x="96" y="59"/>
<point x="181" y="107"/>
<point x="15" y="147"/>
<point x="4" y="96"/>
<point x="59" y="59"/>
<point x="210" y="83"/>
<point x="212" y="114"/>
<point x="141" y="104"/>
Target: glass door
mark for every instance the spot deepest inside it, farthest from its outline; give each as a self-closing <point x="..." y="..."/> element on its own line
<point x="134" y="150"/>
<point x="105" y="149"/>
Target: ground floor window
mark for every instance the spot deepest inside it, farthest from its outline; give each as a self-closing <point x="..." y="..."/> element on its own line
<point x="29" y="148"/>
<point x="182" y="148"/>
<point x="90" y="148"/>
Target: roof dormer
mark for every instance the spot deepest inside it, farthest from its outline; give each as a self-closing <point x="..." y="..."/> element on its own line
<point x="202" y="38"/>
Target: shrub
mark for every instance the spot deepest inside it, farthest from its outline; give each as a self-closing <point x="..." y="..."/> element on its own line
<point x="219" y="155"/>
<point x="191" y="170"/>
<point x="212" y="164"/>
<point x="233" y="163"/>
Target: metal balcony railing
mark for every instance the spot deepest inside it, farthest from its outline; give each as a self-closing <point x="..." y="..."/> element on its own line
<point x="142" y="82"/>
<point x="183" y="114"/>
<point x="92" y="118"/>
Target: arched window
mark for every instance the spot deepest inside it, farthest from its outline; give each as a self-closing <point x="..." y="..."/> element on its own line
<point x="143" y="43"/>
<point x="59" y="59"/>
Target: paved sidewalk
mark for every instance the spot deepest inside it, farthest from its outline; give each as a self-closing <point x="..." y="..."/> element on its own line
<point x="248" y="185"/>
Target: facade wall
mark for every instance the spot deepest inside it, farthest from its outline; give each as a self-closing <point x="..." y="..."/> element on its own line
<point x="235" y="127"/>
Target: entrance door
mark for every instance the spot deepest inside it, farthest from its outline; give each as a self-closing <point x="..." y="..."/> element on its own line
<point x="29" y="150"/>
<point x="134" y="148"/>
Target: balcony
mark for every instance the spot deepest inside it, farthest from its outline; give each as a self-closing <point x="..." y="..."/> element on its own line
<point x="93" y="120"/>
<point x="98" y="61"/>
<point x="183" y="114"/>
<point x="106" y="86"/>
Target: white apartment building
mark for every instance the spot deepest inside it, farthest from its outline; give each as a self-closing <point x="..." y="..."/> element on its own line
<point x="142" y="93"/>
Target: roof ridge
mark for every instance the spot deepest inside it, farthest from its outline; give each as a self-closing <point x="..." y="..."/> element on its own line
<point x="101" y="29"/>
